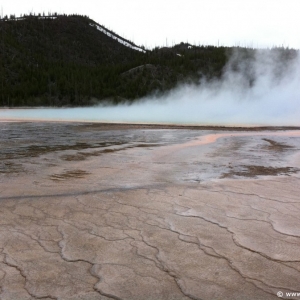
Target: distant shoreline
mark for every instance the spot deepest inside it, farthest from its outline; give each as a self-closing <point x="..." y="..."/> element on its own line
<point x="119" y="126"/>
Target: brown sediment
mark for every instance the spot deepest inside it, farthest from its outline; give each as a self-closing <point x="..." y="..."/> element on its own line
<point x="80" y="156"/>
<point x="8" y="167"/>
<point x="254" y="171"/>
<point x="37" y="150"/>
<point x="74" y="157"/>
<point x="276" y="146"/>
<point x="125" y="126"/>
<point x="69" y="175"/>
<point x="98" y="125"/>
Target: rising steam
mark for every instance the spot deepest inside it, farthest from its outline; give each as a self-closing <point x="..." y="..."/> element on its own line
<point x="260" y="90"/>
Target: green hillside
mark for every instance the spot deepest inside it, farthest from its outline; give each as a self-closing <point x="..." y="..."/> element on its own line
<point x="66" y="60"/>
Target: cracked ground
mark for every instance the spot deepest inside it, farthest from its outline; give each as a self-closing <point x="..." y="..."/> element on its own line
<point x="94" y="213"/>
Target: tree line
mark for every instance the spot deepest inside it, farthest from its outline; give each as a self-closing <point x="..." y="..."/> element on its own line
<point x="64" y="61"/>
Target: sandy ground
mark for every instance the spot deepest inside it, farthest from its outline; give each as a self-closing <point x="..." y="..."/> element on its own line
<point x="89" y="212"/>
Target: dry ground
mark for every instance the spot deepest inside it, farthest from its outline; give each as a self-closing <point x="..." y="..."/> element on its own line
<point x="148" y="213"/>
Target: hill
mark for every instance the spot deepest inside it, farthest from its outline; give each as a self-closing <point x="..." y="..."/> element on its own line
<point x="71" y="60"/>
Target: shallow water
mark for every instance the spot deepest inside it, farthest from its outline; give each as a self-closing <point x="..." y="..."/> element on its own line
<point x="171" y="154"/>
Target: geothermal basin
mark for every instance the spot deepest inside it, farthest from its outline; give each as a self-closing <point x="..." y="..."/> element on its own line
<point x="115" y="211"/>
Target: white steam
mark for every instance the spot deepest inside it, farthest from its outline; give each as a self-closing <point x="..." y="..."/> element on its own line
<point x="264" y="90"/>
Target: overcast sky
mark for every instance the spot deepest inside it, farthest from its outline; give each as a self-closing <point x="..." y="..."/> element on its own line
<point x="254" y="23"/>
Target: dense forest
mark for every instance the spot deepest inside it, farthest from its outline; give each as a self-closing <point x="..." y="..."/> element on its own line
<point x="60" y="60"/>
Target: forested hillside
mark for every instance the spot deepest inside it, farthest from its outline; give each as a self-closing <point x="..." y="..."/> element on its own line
<point x="73" y="61"/>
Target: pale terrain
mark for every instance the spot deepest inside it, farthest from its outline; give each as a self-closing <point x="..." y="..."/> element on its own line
<point x="132" y="213"/>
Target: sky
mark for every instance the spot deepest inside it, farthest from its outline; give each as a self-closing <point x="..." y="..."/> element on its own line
<point x="247" y="23"/>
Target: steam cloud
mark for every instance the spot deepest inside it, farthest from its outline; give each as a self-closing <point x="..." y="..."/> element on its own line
<point x="264" y="90"/>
